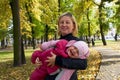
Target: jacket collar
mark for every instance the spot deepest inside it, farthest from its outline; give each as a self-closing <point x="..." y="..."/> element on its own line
<point x="66" y="36"/>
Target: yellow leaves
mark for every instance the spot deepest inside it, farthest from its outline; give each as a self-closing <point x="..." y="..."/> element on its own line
<point x="5" y="8"/>
<point x="36" y="10"/>
<point x="8" y="72"/>
<point x="5" y="12"/>
<point x="88" y="4"/>
<point x="80" y="9"/>
<point x="93" y="66"/>
<point x="49" y="9"/>
<point x="24" y="24"/>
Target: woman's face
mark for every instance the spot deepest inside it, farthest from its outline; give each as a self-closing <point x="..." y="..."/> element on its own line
<point x="66" y="25"/>
<point x="73" y="52"/>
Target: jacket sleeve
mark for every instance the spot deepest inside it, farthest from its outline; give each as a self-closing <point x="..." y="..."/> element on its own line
<point x="49" y="44"/>
<point x="35" y="55"/>
<point x="71" y="63"/>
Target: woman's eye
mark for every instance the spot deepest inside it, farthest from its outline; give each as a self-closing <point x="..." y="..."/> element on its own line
<point x="67" y="22"/>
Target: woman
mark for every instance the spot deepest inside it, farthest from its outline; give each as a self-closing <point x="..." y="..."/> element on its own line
<point x="67" y="28"/>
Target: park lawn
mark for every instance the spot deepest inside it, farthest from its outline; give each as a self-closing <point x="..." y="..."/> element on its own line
<point x="8" y="72"/>
<point x="6" y="55"/>
<point x="110" y="43"/>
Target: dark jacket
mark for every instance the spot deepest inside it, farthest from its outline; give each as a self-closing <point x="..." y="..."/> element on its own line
<point x="69" y="63"/>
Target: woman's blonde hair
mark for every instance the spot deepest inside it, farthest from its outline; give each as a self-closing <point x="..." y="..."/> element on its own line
<point x="75" y="31"/>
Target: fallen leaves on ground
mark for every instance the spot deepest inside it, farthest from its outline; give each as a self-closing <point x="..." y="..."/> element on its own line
<point x="8" y="72"/>
<point x="93" y="66"/>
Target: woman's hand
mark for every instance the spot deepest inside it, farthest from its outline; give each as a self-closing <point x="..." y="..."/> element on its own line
<point x="51" y="60"/>
<point x="38" y="63"/>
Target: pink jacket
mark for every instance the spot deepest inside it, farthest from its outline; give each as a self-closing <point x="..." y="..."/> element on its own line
<point x="58" y="50"/>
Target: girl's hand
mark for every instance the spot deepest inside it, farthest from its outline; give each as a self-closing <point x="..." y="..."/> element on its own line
<point x="38" y="63"/>
<point x="51" y="60"/>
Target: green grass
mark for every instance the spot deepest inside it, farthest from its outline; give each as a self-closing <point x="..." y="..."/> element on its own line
<point x="110" y="43"/>
<point x="5" y="56"/>
<point x="8" y="55"/>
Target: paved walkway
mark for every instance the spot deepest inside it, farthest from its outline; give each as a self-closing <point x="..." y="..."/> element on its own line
<point x="110" y="66"/>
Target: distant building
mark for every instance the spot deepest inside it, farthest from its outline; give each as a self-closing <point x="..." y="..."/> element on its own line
<point x="111" y="34"/>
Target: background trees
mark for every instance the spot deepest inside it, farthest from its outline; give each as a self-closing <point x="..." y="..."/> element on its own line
<point x="35" y="21"/>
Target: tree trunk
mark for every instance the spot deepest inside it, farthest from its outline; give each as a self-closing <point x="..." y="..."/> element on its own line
<point x="100" y="22"/>
<point x="3" y="43"/>
<point x="25" y="44"/>
<point x="33" y="38"/>
<point x="46" y="32"/>
<point x="115" y="37"/>
<point x="29" y="42"/>
<point x="30" y="19"/>
<point x="42" y="39"/>
<point x="59" y="7"/>
<point x="16" y="32"/>
<point x="89" y="35"/>
<point x="23" y="53"/>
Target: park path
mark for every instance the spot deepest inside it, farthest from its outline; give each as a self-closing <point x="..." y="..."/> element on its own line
<point x="110" y="65"/>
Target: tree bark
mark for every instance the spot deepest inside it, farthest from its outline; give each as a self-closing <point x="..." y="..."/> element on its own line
<point x="16" y="32"/>
<point x="46" y="32"/>
<point x="101" y="24"/>
<point x="30" y="19"/>
<point x="23" y="60"/>
<point x="3" y="43"/>
<point x="115" y="37"/>
<point x="89" y="35"/>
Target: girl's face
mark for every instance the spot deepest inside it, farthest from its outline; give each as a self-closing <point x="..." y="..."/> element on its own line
<point x="73" y="52"/>
<point x="66" y="25"/>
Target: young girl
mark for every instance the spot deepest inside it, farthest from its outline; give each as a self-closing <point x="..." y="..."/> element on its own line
<point x="72" y="49"/>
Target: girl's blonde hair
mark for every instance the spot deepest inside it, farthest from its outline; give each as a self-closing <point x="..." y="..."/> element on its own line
<point x="75" y="31"/>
